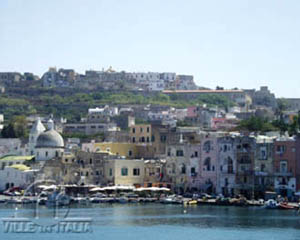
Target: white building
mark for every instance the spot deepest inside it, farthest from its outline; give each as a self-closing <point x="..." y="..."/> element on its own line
<point x="49" y="144"/>
<point x="17" y="175"/>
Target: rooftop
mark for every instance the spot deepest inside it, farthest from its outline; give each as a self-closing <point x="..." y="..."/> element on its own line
<point x="16" y="158"/>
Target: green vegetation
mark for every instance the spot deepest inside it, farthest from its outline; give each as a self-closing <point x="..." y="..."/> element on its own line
<point x="256" y="124"/>
<point x="98" y="136"/>
<point x="17" y="128"/>
<point x="73" y="105"/>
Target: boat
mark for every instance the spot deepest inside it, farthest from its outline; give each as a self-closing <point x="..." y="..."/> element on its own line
<point x="123" y="200"/>
<point x="95" y="200"/>
<point x="58" y="199"/>
<point x="171" y="200"/>
<point x="285" y="206"/>
<point x="42" y="201"/>
<point x="192" y="202"/>
<point x="271" y="204"/>
<point x="81" y="200"/>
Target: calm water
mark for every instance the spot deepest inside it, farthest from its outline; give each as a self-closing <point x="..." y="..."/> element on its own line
<point x="155" y="221"/>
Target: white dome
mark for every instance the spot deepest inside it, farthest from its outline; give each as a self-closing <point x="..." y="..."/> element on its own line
<point x="50" y="139"/>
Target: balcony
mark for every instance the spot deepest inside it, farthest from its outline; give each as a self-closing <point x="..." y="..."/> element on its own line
<point x="283" y="174"/>
<point x="261" y="173"/>
<point x="194" y="174"/>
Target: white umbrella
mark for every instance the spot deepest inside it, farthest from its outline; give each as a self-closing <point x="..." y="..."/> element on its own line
<point x="51" y="187"/>
<point x="97" y="189"/>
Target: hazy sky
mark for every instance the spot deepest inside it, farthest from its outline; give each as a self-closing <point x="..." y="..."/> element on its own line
<point x="230" y="43"/>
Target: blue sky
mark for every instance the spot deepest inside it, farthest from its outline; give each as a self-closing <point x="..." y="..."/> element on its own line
<point x="230" y="43"/>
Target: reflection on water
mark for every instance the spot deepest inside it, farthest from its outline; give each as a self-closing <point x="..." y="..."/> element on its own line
<point x="171" y="222"/>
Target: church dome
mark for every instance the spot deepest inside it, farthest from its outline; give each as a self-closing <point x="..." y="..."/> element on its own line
<point x="50" y="139"/>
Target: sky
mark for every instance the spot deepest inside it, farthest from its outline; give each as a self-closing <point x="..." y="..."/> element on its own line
<point x="228" y="43"/>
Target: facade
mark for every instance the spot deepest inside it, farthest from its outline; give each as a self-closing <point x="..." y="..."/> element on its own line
<point x="125" y="172"/>
<point x="209" y="163"/>
<point x="156" y="174"/>
<point x="185" y="82"/>
<point x="245" y="150"/>
<point x="264" y="165"/>
<point x="285" y="166"/>
<point x="140" y="133"/>
<point x="17" y="175"/>
<point x="89" y="128"/>
<point x="227" y="166"/>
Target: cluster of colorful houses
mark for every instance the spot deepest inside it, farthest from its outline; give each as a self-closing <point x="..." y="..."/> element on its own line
<point x="184" y="159"/>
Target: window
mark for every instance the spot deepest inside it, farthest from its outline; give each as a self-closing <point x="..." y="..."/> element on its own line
<point x="124" y="171"/>
<point x="263" y="153"/>
<point x="141" y="129"/>
<point x="136" y="172"/>
<point x="193" y="171"/>
<point x="129" y="153"/>
<point x="142" y="139"/>
<point x="97" y="173"/>
<point x="133" y="139"/>
<point x="91" y="161"/>
<point x="283" y="166"/>
<point x="152" y="138"/>
<point x="148" y="139"/>
<point x="133" y="130"/>
<point x="148" y="129"/>
<point x="46" y="154"/>
<point x="163" y="138"/>
<point x="280" y="149"/>
<point x="262" y="167"/>
<point x="179" y="153"/>
<point x="110" y="172"/>
<point x="207" y="164"/>
<point x="207" y="147"/>
<point x="229" y="165"/>
<point x="196" y="154"/>
<point x="226" y="182"/>
<point x="169" y="152"/>
<point x="183" y="169"/>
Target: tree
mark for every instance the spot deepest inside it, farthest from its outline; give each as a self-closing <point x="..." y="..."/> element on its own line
<point x="256" y="124"/>
<point x="8" y="131"/>
<point x="17" y="128"/>
<point x="20" y="126"/>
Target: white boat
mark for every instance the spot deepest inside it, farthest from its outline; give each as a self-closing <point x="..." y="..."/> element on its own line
<point x="58" y="199"/>
<point x="271" y="204"/>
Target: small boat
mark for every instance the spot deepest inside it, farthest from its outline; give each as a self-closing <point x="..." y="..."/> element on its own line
<point x="42" y="201"/>
<point x="95" y="200"/>
<point x="285" y="206"/>
<point x="191" y="202"/>
<point x="81" y="200"/>
<point x="271" y="204"/>
<point x="58" y="199"/>
<point x="171" y="200"/>
<point x="123" y="200"/>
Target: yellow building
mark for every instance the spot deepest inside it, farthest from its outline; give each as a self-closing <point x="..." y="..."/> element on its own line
<point x="125" y="172"/>
<point x="140" y="133"/>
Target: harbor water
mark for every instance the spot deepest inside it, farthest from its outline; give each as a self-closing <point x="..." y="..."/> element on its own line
<point x="157" y="221"/>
